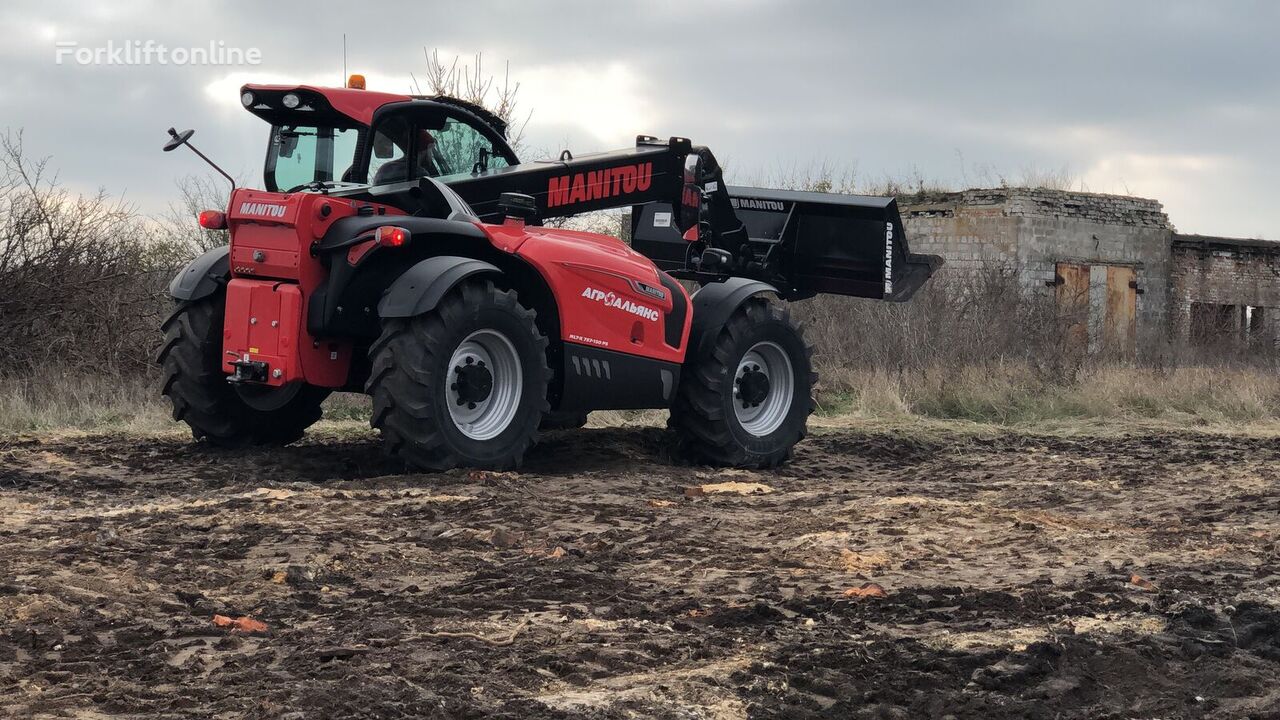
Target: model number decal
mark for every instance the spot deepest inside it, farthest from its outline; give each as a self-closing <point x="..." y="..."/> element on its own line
<point x="612" y="300"/>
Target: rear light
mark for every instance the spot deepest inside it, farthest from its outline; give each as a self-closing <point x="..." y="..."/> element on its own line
<point x="391" y="236"/>
<point x="213" y="220"/>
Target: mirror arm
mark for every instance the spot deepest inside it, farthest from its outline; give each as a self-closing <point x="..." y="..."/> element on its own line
<point x="214" y="165"/>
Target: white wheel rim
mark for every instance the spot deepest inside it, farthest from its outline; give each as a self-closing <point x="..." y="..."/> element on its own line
<point x="484" y="418"/>
<point x="760" y="414"/>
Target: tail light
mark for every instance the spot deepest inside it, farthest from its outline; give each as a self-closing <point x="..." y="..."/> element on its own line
<point x="392" y="236"/>
<point x="213" y="220"/>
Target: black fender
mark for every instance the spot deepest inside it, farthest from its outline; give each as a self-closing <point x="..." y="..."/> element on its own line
<point x="203" y="276"/>
<point x="713" y="305"/>
<point x="422" y="286"/>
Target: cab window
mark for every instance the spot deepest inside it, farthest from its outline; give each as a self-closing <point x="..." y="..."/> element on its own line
<point x="300" y="155"/>
<point x="429" y="147"/>
<point x="461" y="149"/>
<point x="387" y="161"/>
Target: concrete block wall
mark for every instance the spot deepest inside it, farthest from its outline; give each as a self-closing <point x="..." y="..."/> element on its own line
<point x="1034" y="229"/>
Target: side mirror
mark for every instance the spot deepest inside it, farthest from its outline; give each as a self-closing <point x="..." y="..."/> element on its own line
<point x="178" y="139"/>
<point x="383" y="148"/>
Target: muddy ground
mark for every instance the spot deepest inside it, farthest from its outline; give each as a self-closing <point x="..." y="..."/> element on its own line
<point x="592" y="585"/>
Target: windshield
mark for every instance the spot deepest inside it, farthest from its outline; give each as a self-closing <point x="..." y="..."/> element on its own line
<point x="300" y="155"/>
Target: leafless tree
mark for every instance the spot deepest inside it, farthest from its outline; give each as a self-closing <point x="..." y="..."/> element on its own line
<point x="78" y="286"/>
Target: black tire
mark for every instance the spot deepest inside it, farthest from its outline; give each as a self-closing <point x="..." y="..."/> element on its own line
<point x="563" y="420"/>
<point x="218" y="412"/>
<point x="703" y="418"/>
<point x="411" y="381"/>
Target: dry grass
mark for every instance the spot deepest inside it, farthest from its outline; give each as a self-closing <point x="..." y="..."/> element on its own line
<point x="1009" y="394"/>
<point x="1014" y="393"/>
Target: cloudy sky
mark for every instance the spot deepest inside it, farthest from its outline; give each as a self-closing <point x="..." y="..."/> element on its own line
<point x="1179" y="101"/>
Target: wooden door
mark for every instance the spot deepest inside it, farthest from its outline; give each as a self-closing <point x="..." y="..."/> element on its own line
<point x="1120" y="320"/>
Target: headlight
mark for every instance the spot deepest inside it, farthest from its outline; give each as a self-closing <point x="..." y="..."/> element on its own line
<point x="290" y="101"/>
<point x="246" y="99"/>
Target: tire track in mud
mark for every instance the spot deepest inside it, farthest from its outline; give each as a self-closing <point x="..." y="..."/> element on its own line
<point x="1007" y="560"/>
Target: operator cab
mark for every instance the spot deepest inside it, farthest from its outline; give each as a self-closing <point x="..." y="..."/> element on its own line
<point x="329" y="140"/>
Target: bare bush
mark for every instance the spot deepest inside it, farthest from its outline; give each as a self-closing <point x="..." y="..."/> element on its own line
<point x="474" y="85"/>
<point x="78" y="285"/>
<point x="181" y="234"/>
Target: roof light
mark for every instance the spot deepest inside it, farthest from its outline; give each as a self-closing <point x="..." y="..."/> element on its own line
<point x="213" y="220"/>
<point x="246" y="99"/>
<point x="356" y="82"/>
<point x="291" y="101"/>
<point x="392" y="236"/>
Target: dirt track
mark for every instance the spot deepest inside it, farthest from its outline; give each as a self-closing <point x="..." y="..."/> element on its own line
<point x="589" y="585"/>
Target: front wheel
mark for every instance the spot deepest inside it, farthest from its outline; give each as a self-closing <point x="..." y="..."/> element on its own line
<point x="465" y="384"/>
<point x="747" y="403"/>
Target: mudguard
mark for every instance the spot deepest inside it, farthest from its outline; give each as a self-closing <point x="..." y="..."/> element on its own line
<point x="203" y="276"/>
<point x="422" y="286"/>
<point x="713" y="305"/>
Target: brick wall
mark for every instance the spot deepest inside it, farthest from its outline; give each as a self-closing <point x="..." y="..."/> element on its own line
<point x="1224" y="272"/>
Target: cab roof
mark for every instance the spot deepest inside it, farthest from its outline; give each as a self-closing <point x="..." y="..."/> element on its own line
<point x="355" y="105"/>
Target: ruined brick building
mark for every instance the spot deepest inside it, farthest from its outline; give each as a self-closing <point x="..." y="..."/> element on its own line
<point x="1115" y="263"/>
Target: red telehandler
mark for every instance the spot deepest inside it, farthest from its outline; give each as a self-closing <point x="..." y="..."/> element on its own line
<point x="397" y="250"/>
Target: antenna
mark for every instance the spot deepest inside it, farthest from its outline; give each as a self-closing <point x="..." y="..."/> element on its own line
<point x="344" y="59"/>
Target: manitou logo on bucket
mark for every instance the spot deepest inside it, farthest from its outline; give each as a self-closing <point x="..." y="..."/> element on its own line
<point x="613" y="301"/>
<point x="599" y="184"/>
<point x="262" y="209"/>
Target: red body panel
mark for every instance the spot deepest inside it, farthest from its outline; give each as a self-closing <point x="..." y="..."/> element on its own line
<point x="608" y="295"/>
<point x="271" y="236"/>
<point x="596" y="282"/>
<point x="358" y="105"/>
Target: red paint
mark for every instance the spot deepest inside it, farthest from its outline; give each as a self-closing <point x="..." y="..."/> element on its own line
<point x="359" y="105"/>
<point x="279" y="228"/>
<point x="591" y="278"/>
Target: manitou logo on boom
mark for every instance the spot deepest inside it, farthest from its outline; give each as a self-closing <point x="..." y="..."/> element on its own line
<point x="599" y="184"/>
<point x="262" y="209"/>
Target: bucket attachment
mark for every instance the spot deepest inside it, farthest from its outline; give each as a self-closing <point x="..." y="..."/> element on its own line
<point x="805" y="243"/>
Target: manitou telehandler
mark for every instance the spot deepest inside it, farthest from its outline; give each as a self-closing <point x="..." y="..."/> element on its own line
<point x="397" y="250"/>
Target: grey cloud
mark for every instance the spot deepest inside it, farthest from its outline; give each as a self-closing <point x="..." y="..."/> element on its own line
<point x="886" y="86"/>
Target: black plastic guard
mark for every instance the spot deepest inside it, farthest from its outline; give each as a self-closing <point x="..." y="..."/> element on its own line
<point x="598" y="379"/>
<point x="202" y="276"/>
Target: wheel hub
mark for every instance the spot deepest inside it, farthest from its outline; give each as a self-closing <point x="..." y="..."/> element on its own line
<point x="753" y="386"/>
<point x="484" y="384"/>
<point x="472" y="381"/>
<point x="763" y="388"/>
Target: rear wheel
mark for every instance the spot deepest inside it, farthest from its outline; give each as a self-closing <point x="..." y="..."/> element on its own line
<point x="747" y="403"/>
<point x="217" y="411"/>
<point x="465" y="384"/>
